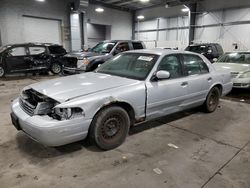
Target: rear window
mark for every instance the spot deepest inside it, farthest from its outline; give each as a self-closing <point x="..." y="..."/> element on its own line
<point x="57" y="50"/>
<point x="137" y="45"/>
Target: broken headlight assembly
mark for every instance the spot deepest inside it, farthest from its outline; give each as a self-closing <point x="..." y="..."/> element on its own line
<point x="67" y="113"/>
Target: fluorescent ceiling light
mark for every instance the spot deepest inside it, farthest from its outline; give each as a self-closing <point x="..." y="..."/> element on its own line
<point x="140" y="17"/>
<point x="185" y="10"/>
<point x="99" y="9"/>
<point x="40" y="0"/>
<point x="144" y="1"/>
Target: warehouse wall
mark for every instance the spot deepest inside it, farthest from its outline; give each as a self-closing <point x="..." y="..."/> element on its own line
<point x="228" y="27"/>
<point x="235" y="30"/>
<point x="120" y="21"/>
<point x="12" y="12"/>
<point x="164" y="32"/>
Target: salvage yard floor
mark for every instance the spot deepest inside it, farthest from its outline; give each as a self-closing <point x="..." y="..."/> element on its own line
<point x="185" y="150"/>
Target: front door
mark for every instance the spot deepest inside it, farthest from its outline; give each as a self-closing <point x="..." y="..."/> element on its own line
<point x="167" y="96"/>
<point x="15" y="59"/>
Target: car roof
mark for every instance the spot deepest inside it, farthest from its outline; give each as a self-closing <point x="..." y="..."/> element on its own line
<point x="160" y="52"/>
<point x="33" y="43"/>
<point x="203" y="44"/>
<point x="115" y="41"/>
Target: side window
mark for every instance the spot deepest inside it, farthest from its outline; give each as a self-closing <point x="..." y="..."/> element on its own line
<point x="122" y="47"/>
<point x="18" y="51"/>
<point x="36" y="50"/>
<point x="171" y="64"/>
<point x="194" y="65"/>
<point x="137" y="45"/>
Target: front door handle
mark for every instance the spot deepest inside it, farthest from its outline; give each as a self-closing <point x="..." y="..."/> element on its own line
<point x="210" y="79"/>
<point x="184" y="84"/>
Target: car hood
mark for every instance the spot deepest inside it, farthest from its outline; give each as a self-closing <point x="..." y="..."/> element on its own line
<point x="81" y="55"/>
<point x="232" y="67"/>
<point x="67" y="88"/>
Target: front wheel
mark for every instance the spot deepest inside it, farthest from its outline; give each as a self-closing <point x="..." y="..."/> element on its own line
<point x="2" y="72"/>
<point x="212" y="100"/>
<point x="109" y="128"/>
<point x="56" y="68"/>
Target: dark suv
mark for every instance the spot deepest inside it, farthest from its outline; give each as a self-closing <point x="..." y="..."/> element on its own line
<point x="31" y="57"/>
<point x="210" y="50"/>
<point x="77" y="62"/>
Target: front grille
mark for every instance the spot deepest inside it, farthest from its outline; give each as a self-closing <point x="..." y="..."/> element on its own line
<point x="27" y="107"/>
<point x="234" y="74"/>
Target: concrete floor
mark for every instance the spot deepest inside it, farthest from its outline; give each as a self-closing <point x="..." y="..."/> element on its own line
<point x="213" y="152"/>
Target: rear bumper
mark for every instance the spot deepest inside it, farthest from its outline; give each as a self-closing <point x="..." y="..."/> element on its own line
<point x="48" y="131"/>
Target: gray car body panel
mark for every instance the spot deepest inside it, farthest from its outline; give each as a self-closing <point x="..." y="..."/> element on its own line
<point x="93" y="91"/>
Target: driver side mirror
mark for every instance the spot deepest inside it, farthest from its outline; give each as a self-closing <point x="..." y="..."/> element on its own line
<point x="215" y="59"/>
<point x="162" y="75"/>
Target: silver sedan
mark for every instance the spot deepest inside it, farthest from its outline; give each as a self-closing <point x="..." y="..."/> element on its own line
<point x="130" y="88"/>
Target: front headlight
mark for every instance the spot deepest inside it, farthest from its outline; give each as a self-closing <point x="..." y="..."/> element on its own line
<point x="245" y="75"/>
<point x="67" y="113"/>
<point x="86" y="61"/>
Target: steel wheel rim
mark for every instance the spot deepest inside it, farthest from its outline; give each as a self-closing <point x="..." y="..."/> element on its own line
<point x="111" y="127"/>
<point x="213" y="100"/>
<point x="56" y="68"/>
<point x="1" y="71"/>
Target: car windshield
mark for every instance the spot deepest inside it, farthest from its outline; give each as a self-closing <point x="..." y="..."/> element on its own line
<point x="130" y="65"/>
<point x="238" y="57"/>
<point x="103" y="47"/>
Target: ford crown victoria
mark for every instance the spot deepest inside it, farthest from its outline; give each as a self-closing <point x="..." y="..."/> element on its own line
<point x="131" y="87"/>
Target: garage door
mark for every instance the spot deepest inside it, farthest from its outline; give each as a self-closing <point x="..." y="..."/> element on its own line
<point x="42" y="30"/>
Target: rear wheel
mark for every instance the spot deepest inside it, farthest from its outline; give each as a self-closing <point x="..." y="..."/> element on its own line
<point x="56" y="68"/>
<point x="2" y="72"/>
<point x="212" y="100"/>
<point x="109" y="128"/>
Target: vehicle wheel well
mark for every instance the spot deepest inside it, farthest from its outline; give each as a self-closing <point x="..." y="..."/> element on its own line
<point x="129" y="109"/>
<point x="219" y="86"/>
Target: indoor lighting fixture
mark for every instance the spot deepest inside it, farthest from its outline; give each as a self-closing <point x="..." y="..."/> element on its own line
<point x="40" y="0"/>
<point x="99" y="9"/>
<point x="140" y="17"/>
<point x="144" y="1"/>
<point x="167" y="5"/>
<point x="186" y="9"/>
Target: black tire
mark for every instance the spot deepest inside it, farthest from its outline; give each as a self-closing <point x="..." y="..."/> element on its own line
<point x="2" y="72"/>
<point x="56" y="68"/>
<point x="212" y="100"/>
<point x="109" y="128"/>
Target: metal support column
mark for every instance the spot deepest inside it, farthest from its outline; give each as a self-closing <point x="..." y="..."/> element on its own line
<point x="192" y="19"/>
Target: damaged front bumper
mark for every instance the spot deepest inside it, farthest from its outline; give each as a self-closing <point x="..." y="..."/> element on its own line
<point x="47" y="130"/>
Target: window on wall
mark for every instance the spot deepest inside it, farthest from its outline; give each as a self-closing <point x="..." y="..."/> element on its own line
<point x="193" y="65"/>
<point x="18" y="51"/>
<point x="171" y="64"/>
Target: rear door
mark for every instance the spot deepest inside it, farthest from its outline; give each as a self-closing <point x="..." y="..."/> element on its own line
<point x="137" y="45"/>
<point x="198" y="78"/>
<point x="16" y="59"/>
<point x="39" y="58"/>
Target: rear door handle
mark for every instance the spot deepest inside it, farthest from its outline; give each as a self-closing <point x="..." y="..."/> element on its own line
<point x="183" y="84"/>
<point x="209" y="79"/>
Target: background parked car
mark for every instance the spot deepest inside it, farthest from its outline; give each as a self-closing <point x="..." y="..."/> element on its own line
<point x="31" y="57"/>
<point x="88" y="61"/>
<point x="211" y="51"/>
<point x="238" y="63"/>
